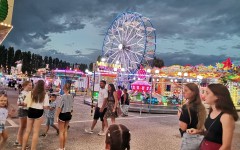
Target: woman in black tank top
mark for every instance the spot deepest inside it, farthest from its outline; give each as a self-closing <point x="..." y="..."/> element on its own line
<point x="220" y="122"/>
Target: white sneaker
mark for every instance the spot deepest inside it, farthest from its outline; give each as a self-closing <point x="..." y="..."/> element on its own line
<point x="89" y="131"/>
<point x="101" y="133"/>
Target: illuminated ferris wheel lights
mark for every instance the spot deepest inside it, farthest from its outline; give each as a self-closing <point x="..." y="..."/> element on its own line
<point x="141" y="28"/>
<point x="150" y="29"/>
<point x="103" y="59"/>
<point x="120" y="46"/>
<point x="122" y="69"/>
<point x="145" y="19"/>
<point x="117" y="62"/>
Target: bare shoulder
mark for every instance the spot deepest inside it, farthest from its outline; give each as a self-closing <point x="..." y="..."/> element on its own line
<point x="227" y="118"/>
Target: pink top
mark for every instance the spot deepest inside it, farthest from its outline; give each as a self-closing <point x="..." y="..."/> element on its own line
<point x="119" y="94"/>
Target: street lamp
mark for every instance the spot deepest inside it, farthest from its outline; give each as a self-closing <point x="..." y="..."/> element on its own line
<point x="148" y="70"/>
<point x="157" y="71"/>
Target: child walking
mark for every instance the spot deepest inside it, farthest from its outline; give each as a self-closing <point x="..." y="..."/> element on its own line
<point x="50" y="115"/>
<point x="3" y="117"/>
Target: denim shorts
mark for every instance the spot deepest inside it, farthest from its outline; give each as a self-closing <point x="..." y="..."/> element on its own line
<point x="22" y="113"/>
<point x="2" y="127"/>
<point x="50" y="121"/>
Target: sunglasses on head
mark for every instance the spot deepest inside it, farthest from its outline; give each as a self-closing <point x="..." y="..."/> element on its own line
<point x="3" y="92"/>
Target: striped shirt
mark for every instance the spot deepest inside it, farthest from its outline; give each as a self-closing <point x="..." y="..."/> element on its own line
<point x="66" y="103"/>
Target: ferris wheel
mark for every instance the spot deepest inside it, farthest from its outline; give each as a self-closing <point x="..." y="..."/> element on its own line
<point x="130" y="41"/>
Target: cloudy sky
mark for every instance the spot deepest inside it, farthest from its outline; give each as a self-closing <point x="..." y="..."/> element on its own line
<point x="188" y="31"/>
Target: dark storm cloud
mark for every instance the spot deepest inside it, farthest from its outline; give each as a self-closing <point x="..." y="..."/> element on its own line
<point x="198" y="19"/>
<point x="78" y="57"/>
<point x="189" y="20"/>
<point x="93" y="49"/>
<point x="78" y="52"/>
<point x="185" y="57"/>
<point x="237" y="47"/>
<point x="222" y="48"/>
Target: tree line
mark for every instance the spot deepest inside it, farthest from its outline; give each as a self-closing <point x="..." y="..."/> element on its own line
<point x="32" y="62"/>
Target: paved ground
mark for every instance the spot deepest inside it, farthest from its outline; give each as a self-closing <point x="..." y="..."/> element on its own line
<point x="149" y="131"/>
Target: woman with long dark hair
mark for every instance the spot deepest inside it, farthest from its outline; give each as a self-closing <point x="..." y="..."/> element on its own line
<point x="220" y="123"/>
<point x="112" y="103"/>
<point x="118" y="137"/>
<point x="192" y="115"/>
<point x="36" y="101"/>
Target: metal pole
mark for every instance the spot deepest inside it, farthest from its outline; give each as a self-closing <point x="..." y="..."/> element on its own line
<point x="151" y="95"/>
<point x="93" y="92"/>
<point x="182" y="92"/>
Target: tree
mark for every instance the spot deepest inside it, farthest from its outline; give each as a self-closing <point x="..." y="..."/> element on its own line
<point x="99" y="58"/>
<point x="17" y="56"/>
<point x="157" y="62"/>
<point x="50" y="62"/>
<point x="27" y="62"/>
<point x="56" y="63"/>
<point x="60" y="65"/>
<point x="83" y="67"/>
<point x="31" y="62"/>
<point x="34" y="63"/>
<point x="10" y="58"/>
<point x="40" y="62"/>
<point x="46" y="60"/>
<point x="3" y="58"/>
<point x="90" y="68"/>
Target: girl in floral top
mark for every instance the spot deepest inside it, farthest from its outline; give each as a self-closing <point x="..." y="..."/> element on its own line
<point x="22" y="111"/>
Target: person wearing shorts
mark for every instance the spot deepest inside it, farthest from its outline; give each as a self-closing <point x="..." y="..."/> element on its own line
<point x="50" y="115"/>
<point x="64" y="114"/>
<point x="98" y="114"/>
<point x="100" y="109"/>
<point x="22" y="112"/>
<point x="36" y="101"/>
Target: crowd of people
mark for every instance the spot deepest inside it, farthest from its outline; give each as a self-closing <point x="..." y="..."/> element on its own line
<point x="198" y="130"/>
<point x="33" y="103"/>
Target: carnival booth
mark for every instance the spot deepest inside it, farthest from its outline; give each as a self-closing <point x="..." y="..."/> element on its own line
<point x="141" y="89"/>
<point x="101" y="75"/>
<point x="168" y="82"/>
<point x="67" y="76"/>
